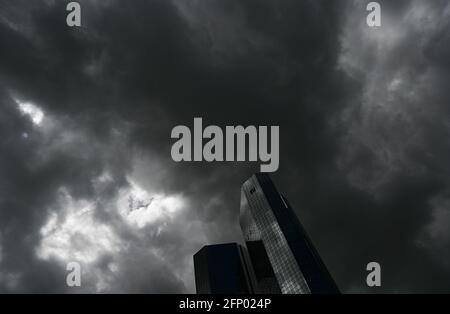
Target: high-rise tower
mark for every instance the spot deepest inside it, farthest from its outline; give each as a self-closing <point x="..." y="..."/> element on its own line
<point x="283" y="258"/>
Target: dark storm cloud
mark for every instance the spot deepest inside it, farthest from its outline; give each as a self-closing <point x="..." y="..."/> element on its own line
<point x="363" y="117"/>
<point x="392" y="151"/>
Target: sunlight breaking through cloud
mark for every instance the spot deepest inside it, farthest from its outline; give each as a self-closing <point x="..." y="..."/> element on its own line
<point x="73" y="234"/>
<point x="35" y="113"/>
<point x="140" y="208"/>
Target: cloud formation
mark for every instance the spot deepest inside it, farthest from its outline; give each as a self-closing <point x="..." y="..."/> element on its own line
<point x="86" y="115"/>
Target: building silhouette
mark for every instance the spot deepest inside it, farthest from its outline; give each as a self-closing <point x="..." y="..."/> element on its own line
<point x="278" y="256"/>
<point x="222" y="269"/>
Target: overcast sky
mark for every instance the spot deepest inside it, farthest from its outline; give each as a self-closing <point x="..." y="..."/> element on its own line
<point x="86" y="115"/>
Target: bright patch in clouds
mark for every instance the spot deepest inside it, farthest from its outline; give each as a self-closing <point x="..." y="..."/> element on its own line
<point x="73" y="234"/>
<point x="140" y="208"/>
<point x="32" y="111"/>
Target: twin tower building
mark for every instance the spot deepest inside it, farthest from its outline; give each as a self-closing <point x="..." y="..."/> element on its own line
<point x="278" y="257"/>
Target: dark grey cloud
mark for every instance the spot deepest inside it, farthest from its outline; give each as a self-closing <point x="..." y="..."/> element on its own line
<point x="363" y="118"/>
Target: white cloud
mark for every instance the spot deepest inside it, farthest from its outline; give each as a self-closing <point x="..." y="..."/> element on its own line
<point x="141" y="208"/>
<point x="35" y="113"/>
<point x="73" y="234"/>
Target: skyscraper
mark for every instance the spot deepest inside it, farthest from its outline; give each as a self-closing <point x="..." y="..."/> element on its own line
<point x="222" y="269"/>
<point x="283" y="258"/>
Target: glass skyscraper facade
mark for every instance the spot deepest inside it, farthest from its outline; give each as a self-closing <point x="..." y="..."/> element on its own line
<point x="283" y="257"/>
<point x="278" y="256"/>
